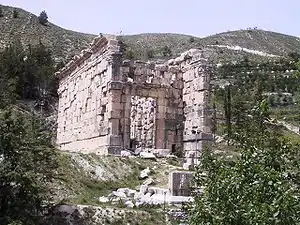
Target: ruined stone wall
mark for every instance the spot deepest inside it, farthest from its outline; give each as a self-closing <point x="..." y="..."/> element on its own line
<point x="157" y="109"/>
<point x="84" y="121"/>
<point x="106" y="104"/>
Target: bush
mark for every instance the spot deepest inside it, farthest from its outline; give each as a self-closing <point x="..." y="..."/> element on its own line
<point x="1" y="12"/>
<point x="43" y="18"/>
<point x="260" y="187"/>
<point x="15" y="14"/>
<point x="166" y="51"/>
<point x="150" y="54"/>
<point x="192" y="40"/>
<point x="129" y="54"/>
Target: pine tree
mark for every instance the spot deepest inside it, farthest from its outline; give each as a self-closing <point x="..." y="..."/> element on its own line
<point x="15" y="14"/>
<point x="43" y="18"/>
<point x="1" y="12"/>
<point x="28" y="162"/>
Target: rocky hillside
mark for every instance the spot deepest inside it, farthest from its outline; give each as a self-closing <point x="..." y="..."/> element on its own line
<point x="26" y="27"/>
<point x="255" y="44"/>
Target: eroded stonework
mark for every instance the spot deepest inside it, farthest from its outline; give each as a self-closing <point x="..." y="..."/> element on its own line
<point x="107" y="104"/>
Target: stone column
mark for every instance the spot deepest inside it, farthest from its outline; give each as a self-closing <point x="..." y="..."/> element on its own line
<point x="196" y="94"/>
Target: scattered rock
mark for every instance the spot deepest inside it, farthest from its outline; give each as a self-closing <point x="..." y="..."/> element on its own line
<point x="119" y="194"/>
<point x="147" y="155"/>
<point x="129" y="204"/>
<point x="161" y="153"/>
<point x="103" y="199"/>
<point x="125" y="153"/>
<point x="143" y="189"/>
<point x="148" y="182"/>
<point x="145" y="173"/>
<point x="171" y="156"/>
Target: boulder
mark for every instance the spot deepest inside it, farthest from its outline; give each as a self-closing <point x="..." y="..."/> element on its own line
<point x="180" y="199"/>
<point x="145" y="173"/>
<point x="129" y="204"/>
<point x="143" y="188"/>
<point x="158" y="190"/>
<point x="161" y="153"/>
<point x="147" y="155"/>
<point x="103" y="199"/>
<point x="119" y="194"/>
<point x="148" y="182"/>
<point x="125" y="153"/>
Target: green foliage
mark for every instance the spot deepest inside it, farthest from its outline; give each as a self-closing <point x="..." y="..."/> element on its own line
<point x="150" y="53"/>
<point x="166" y="51"/>
<point x="27" y="74"/>
<point x="129" y="54"/>
<point x="294" y="55"/>
<point x="28" y="162"/>
<point x="15" y="14"/>
<point x="251" y="82"/>
<point x="192" y="40"/>
<point x="1" y="12"/>
<point x="43" y="18"/>
<point x="260" y="187"/>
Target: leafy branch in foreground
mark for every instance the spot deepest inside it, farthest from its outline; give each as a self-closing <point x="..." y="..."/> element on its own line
<point x="260" y="187"/>
<point x="28" y="162"/>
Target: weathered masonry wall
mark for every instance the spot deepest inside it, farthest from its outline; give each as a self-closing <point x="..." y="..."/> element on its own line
<point x="107" y="104"/>
<point x="85" y="121"/>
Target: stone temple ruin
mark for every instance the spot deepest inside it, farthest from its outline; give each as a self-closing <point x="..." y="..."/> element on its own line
<point x="107" y="104"/>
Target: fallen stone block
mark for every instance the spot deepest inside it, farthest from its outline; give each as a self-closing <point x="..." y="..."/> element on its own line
<point x="103" y="199"/>
<point x="119" y="194"/>
<point x="148" y="182"/>
<point x="147" y="155"/>
<point x="161" y="153"/>
<point x="145" y="173"/>
<point x="158" y="190"/>
<point x="129" y="204"/>
<point x="125" y="154"/>
<point x="179" y="199"/>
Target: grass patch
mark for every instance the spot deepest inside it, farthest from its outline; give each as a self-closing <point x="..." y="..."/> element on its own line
<point x="85" y="189"/>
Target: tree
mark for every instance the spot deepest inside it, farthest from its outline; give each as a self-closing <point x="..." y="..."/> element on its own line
<point x="260" y="187"/>
<point x="227" y="110"/>
<point x="1" y="12"/>
<point x="150" y="53"/>
<point x="28" y="162"/>
<point x="15" y="14"/>
<point x="166" y="51"/>
<point x="129" y="54"/>
<point x="191" y="39"/>
<point x="43" y="18"/>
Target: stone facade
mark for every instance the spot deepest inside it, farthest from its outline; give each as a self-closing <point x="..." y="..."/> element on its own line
<point x="107" y="104"/>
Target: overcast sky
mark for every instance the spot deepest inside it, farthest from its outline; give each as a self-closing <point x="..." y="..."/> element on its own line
<point x="195" y="17"/>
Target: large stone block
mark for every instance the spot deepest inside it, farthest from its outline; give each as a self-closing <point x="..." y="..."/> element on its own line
<point x="180" y="183"/>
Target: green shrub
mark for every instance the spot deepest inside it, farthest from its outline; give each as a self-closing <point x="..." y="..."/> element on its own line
<point x="15" y="14"/>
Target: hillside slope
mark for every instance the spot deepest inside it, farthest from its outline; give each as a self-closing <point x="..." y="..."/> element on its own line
<point x="260" y="40"/>
<point x="233" y="45"/>
<point x="26" y="27"/>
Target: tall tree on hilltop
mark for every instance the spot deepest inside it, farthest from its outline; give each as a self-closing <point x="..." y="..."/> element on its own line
<point x="43" y="18"/>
